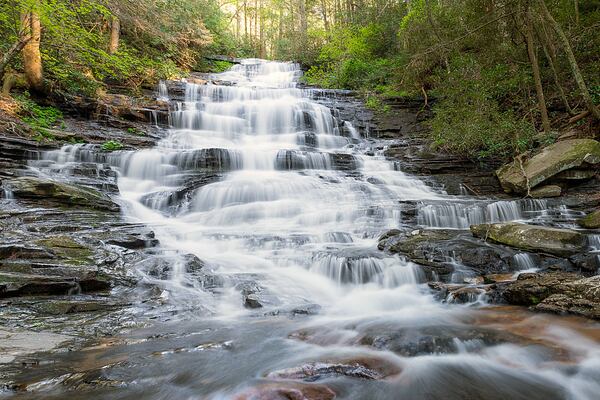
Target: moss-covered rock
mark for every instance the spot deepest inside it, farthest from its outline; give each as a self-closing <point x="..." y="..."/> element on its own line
<point x="583" y="154"/>
<point x="63" y="193"/>
<point x="560" y="242"/>
<point x="556" y="292"/>
<point x="591" y="221"/>
<point x="68" y="248"/>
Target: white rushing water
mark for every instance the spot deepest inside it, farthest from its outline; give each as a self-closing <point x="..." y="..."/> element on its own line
<point x="260" y="183"/>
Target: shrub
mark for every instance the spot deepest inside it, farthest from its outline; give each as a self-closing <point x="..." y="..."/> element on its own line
<point x="112" y="145"/>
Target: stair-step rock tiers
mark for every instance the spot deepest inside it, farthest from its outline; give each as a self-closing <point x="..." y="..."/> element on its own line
<point x="267" y="247"/>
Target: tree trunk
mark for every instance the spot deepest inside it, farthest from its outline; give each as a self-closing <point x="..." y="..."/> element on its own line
<point x="11" y="53"/>
<point x="325" y="20"/>
<point x="563" y="97"/>
<point x="32" y="58"/>
<point x="572" y="62"/>
<point x="536" y="73"/>
<point x="115" y="33"/>
<point x="576" y="12"/>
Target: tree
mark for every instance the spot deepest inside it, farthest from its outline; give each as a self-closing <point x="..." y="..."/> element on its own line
<point x="32" y="57"/>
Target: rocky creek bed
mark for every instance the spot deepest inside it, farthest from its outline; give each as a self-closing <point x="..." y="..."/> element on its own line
<point x="86" y="286"/>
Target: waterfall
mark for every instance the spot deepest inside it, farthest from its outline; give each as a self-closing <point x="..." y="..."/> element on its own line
<point x="163" y="91"/>
<point x="268" y="207"/>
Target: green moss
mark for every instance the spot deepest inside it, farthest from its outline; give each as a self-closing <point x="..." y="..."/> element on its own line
<point x="66" y="247"/>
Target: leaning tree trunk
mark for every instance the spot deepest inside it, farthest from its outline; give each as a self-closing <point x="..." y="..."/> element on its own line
<point x="536" y="74"/>
<point x="572" y="62"/>
<point x="11" y="53"/>
<point x="32" y="58"/>
<point x="115" y="33"/>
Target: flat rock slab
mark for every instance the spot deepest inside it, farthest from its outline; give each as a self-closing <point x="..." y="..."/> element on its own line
<point x="14" y="343"/>
<point x="552" y="160"/>
<point x="559" y="242"/>
<point x="63" y="193"/>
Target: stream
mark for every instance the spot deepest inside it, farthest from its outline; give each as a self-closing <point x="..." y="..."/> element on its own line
<point x="284" y="203"/>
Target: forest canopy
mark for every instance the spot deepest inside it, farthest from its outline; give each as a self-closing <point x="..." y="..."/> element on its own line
<point x="496" y="72"/>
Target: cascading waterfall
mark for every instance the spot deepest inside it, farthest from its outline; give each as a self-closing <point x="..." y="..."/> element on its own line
<point x="277" y="197"/>
<point x="461" y="215"/>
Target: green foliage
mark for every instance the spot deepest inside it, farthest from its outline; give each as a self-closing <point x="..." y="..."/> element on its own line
<point x="468" y="120"/>
<point x="112" y="145"/>
<point x="38" y="116"/>
<point x="134" y="131"/>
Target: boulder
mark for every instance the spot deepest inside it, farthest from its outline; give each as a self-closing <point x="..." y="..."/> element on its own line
<point x="63" y="193"/>
<point x="591" y="221"/>
<point x="559" y="242"/>
<point x="583" y="154"/>
<point x="558" y="292"/>
<point x="546" y="191"/>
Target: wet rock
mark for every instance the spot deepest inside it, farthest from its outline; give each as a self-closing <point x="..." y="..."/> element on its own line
<point x="465" y="295"/>
<point x="70" y="306"/>
<point x="171" y="202"/>
<point x="442" y="339"/>
<point x="368" y="369"/>
<point x="162" y="267"/>
<point x="13" y="284"/>
<point x="438" y="251"/>
<point x="588" y="263"/>
<point x="214" y="159"/>
<point x="287" y="391"/>
<point x="135" y="240"/>
<point x="20" y="251"/>
<point x="66" y="247"/>
<point x="560" y="242"/>
<point x="62" y="193"/>
<point x="546" y="191"/>
<point x="22" y="342"/>
<point x="552" y="160"/>
<point x="558" y="292"/>
<point x="252" y="301"/>
<point x="591" y="221"/>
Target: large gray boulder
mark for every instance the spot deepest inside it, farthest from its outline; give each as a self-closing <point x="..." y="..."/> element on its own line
<point x="542" y="239"/>
<point x="583" y="154"/>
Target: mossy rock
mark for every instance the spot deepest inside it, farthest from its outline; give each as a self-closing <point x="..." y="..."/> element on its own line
<point x="68" y="248"/>
<point x="63" y="193"/>
<point x="583" y="154"/>
<point x="559" y="242"/>
<point x="591" y="221"/>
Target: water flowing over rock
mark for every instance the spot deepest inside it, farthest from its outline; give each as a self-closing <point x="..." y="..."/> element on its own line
<point x="552" y="160"/>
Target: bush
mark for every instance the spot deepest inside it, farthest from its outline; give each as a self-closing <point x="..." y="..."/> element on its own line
<point x="112" y="145"/>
